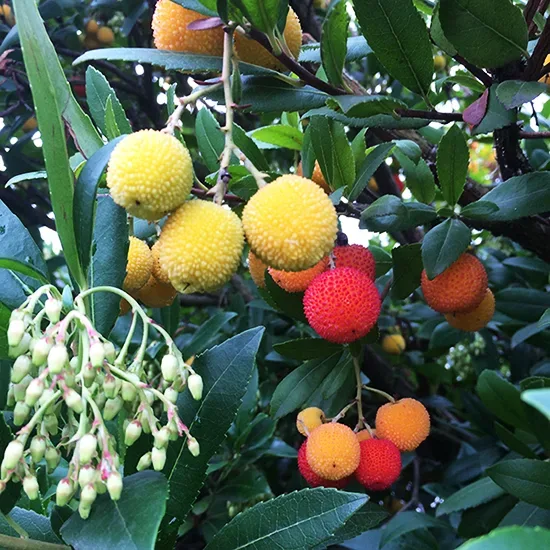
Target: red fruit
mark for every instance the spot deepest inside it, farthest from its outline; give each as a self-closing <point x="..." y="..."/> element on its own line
<point x="398" y="182"/>
<point x="380" y="464"/>
<point x="356" y="256"/>
<point x="342" y="305"/>
<point x="311" y="477"/>
<point x="79" y="89"/>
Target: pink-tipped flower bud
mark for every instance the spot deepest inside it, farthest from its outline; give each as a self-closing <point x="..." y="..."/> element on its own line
<point x="40" y="352"/>
<point x="73" y="400"/>
<point x="144" y="462"/>
<point x="21" y="413"/>
<point x="149" y="396"/>
<point x="34" y="392"/>
<point x="97" y="354"/>
<point x="53" y="308"/>
<point x="10" y="399"/>
<point x="171" y="394"/>
<point x="87" y="474"/>
<point x="89" y="374"/>
<point x="64" y="492"/>
<point x="112" y="407"/>
<point x="58" y="359"/>
<point x="169" y="367"/>
<point x="128" y="391"/>
<point x="88" y="495"/>
<point x="53" y="458"/>
<point x="162" y="437"/>
<point x="194" y="382"/>
<point x="21" y="367"/>
<point x="30" y="486"/>
<point x="110" y="386"/>
<point x="193" y="446"/>
<point x="110" y="352"/>
<point x="51" y="423"/>
<point x="114" y="485"/>
<point x="16" y="330"/>
<point x="87" y="448"/>
<point x="133" y="432"/>
<point x="158" y="458"/>
<point x="38" y="448"/>
<point x="19" y="390"/>
<point x="21" y="348"/>
<point x="13" y="454"/>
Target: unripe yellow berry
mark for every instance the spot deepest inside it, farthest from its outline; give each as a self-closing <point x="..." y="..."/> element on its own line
<point x="257" y="269"/>
<point x="394" y="344"/>
<point x="201" y="246"/>
<point x="158" y="273"/>
<point x="105" y="35"/>
<point x="472" y="321"/>
<point x="150" y="174"/>
<point x="139" y="265"/>
<point x="157" y="294"/>
<point x="280" y="236"/>
<point x="309" y="419"/>
<point x="92" y="26"/>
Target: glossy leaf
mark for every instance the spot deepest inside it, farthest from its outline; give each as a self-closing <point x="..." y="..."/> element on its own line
<point x="206" y="332"/>
<point x="407" y="268"/>
<point x="334" y="41"/>
<point x="375" y="157"/>
<point x="452" y="164"/>
<point x="358" y="106"/>
<point x="514" y="93"/>
<point x="209" y="139"/>
<point x="510" y="538"/>
<point x="407" y="522"/>
<point x="540" y="399"/>
<point x="357" y="48"/>
<point x="307" y="348"/>
<point x="280" y="135"/>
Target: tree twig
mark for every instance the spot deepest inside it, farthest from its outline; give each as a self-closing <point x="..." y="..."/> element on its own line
<point x="29" y="544"/>
<point x="480" y="74"/>
<point x="536" y="61"/>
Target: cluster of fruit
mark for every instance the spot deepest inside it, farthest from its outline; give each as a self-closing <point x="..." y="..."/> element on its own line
<point x="96" y="35"/>
<point x="68" y="382"/>
<point x="333" y="452"/>
<point x="462" y="294"/>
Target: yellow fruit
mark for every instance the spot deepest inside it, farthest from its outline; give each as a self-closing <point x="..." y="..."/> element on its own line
<point x="91" y="43"/>
<point x="333" y="451"/>
<point x="7" y="13"/>
<point x="139" y="266"/>
<point x="394" y="344"/>
<point x="309" y="419"/>
<point x="250" y="51"/>
<point x="170" y="22"/>
<point x="406" y="423"/>
<point x="290" y="223"/>
<point x="257" y="270"/>
<point x="92" y="26"/>
<point x="125" y="307"/>
<point x="472" y="321"/>
<point x="363" y="435"/>
<point x="440" y="62"/>
<point x="298" y="281"/>
<point x="105" y="35"/>
<point x="546" y="78"/>
<point x="150" y="174"/>
<point x="158" y="273"/>
<point x="372" y="185"/>
<point x="317" y="177"/>
<point x="30" y="125"/>
<point x="201" y="246"/>
<point x="157" y="294"/>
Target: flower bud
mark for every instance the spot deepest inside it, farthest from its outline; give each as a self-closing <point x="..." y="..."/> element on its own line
<point x="13" y="454"/>
<point x="169" y="367"/>
<point x="16" y="330"/>
<point x="21" y="413"/>
<point x="194" y="382"/>
<point x="69" y="377"/>
<point x="97" y="354"/>
<point x="110" y="386"/>
<point x="89" y="375"/>
<point x="64" y="492"/>
<point x="171" y="394"/>
<point x="100" y="400"/>
<point x="10" y="400"/>
<point x="149" y="396"/>
<point x="53" y="309"/>
<point x="51" y="424"/>
<point x="21" y="367"/>
<point x="110" y="352"/>
<point x="112" y="407"/>
<point x="84" y="511"/>
<point x="40" y="352"/>
<point x="133" y="432"/>
<point x="53" y="458"/>
<point x="144" y="462"/>
<point x="73" y="400"/>
<point x="158" y="458"/>
<point x="58" y="359"/>
<point x="23" y="347"/>
<point x="87" y="474"/>
<point x="30" y="486"/>
<point x="34" y="392"/>
<point x="46" y="396"/>
<point x="162" y="437"/>
<point x="128" y="391"/>
<point x="88" y="495"/>
<point x="19" y="390"/>
<point x="87" y="448"/>
<point x="193" y="446"/>
<point x="38" y="448"/>
<point x="114" y="485"/>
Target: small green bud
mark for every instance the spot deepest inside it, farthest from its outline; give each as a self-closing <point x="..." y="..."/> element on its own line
<point x="30" y="486"/>
<point x="38" y="448"/>
<point x="149" y="396"/>
<point x="193" y="446"/>
<point x="110" y="386"/>
<point x="88" y="495"/>
<point x="64" y="492"/>
<point x="87" y="448"/>
<point x="100" y="399"/>
<point x="51" y="423"/>
<point x="194" y="382"/>
<point x="128" y="391"/>
<point x="110" y="352"/>
<point x="19" y="390"/>
<point x="144" y="462"/>
<point x="53" y="309"/>
<point x="73" y="400"/>
<point x="11" y="397"/>
<point x="162" y="437"/>
<point x="40" y="352"/>
<point x="133" y="432"/>
<point x="87" y="474"/>
<point x="97" y="354"/>
<point x="53" y="458"/>
<point x="34" y="392"/>
<point x="13" y="454"/>
<point x="23" y="347"/>
<point x="84" y="511"/>
<point x="112" y="407"/>
<point x="21" y="413"/>
<point x="169" y="367"/>
<point x="16" y="330"/>
<point x="89" y="374"/>
<point x="114" y="485"/>
<point x="21" y="367"/>
<point x="58" y="359"/>
<point x="171" y="394"/>
<point x="69" y="378"/>
<point x="158" y="458"/>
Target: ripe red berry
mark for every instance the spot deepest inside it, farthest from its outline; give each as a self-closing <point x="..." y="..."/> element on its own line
<point x="379" y="465"/>
<point x="311" y="477"/>
<point x="342" y="305"/>
<point x="357" y="256"/>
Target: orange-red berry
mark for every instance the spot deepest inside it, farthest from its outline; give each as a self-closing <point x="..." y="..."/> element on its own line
<point x="379" y="465"/>
<point x="356" y="256"/>
<point x="298" y="281"/>
<point x="311" y="477"/>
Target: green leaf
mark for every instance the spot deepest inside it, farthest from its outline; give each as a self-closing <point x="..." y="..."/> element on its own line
<point x="502" y="399"/>
<point x="42" y="66"/>
<point x="295" y="521"/>
<point x="334" y="41"/>
<point x="333" y="152"/>
<point x="290" y="303"/>
<point x="398" y="36"/>
<point x="205" y="7"/>
<point x="209" y="139"/>
<point x="436" y="32"/>
<point x="525" y="304"/>
<point x="513" y="442"/>
<point x="129" y="523"/>
<point x="280" y="135"/>
<point x="384" y="260"/>
<point x="375" y="157"/>
<point x="489" y="34"/>
<point x="263" y="15"/>
<point x="338" y="376"/>
<point x="479" y="492"/>
<point x="108" y="265"/>
<point x="520" y="196"/>
<point x="496" y="115"/>
<point x="246" y="486"/>
<point x="407" y="522"/>
<point x="85" y="200"/>
<point x="111" y="127"/>
<point x="249" y="148"/>
<point x="37" y="526"/>
<point x="510" y="538"/>
<point x="443" y="245"/>
<point x="98" y="91"/>
<point x="206" y="332"/>
<point x="528" y="480"/>
<point x="514" y="93"/>
<point x="539" y="399"/>
<point x="366" y="106"/>
<point x="420" y="179"/>
<point x="357" y="48"/>
<point x="407" y="268"/>
<point x="307" y="348"/>
<point x="452" y="164"/>
<point x="299" y="386"/>
<point x="526" y="515"/>
<point x="479" y="210"/>
<point x="226" y="370"/>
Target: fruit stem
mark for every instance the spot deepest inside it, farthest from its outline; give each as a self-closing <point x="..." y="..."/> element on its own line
<point x="380" y="392"/>
<point x="359" y="397"/>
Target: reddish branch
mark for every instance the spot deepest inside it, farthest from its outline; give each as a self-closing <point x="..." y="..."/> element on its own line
<point x="531" y="9"/>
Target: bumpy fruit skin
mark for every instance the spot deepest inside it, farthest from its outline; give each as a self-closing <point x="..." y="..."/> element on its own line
<point x="317" y="177"/>
<point x="363" y="435"/>
<point x="139" y="265"/>
<point x="257" y="269"/>
<point x="105" y="35"/>
<point x="158" y="273"/>
<point x="157" y="294"/>
<point x="170" y="22"/>
<point x="309" y="419"/>
<point x="298" y="281"/>
<point x="406" y="423"/>
<point x="201" y="246"/>
<point x="91" y="26"/>
<point x="250" y="51"/>
<point x="394" y="344"/>
<point x="461" y="287"/>
<point x="311" y="477"/>
<point x="281" y="237"/>
<point x="342" y="305"/>
<point x="472" y="321"/>
<point x="356" y="256"/>
<point x="333" y="451"/>
<point x="380" y="464"/>
<point x="150" y="174"/>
